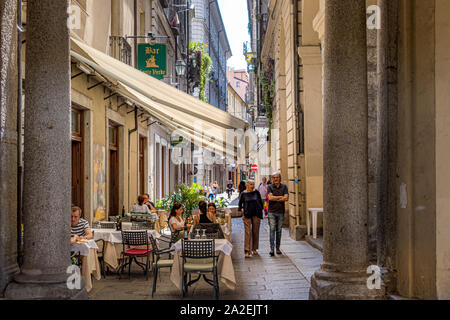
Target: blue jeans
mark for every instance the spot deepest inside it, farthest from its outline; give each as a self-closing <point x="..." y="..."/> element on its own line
<point x="276" y="226"/>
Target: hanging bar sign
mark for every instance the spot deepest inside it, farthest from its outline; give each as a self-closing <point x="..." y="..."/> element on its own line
<point x="152" y="59"/>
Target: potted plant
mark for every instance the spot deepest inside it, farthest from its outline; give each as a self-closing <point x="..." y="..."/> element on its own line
<point x="187" y="196"/>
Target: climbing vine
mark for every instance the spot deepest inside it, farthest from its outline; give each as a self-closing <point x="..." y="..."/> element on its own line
<point x="205" y="66"/>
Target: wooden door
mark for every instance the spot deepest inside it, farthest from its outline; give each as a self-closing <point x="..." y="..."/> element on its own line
<point x="113" y="171"/>
<point x="77" y="159"/>
<point x="142" y="173"/>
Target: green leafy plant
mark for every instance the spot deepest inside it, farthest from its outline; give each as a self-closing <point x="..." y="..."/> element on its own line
<point x="221" y="202"/>
<point x="205" y="66"/>
<point x="187" y="196"/>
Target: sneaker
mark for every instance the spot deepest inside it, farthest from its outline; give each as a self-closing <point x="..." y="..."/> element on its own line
<point x="271" y="253"/>
<point x="279" y="251"/>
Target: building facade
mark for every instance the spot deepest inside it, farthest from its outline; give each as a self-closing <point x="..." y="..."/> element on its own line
<point x="207" y="27"/>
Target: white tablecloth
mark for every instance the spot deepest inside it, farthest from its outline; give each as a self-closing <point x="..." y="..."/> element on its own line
<point x="83" y="248"/>
<point x="225" y="267"/>
<point x="89" y="261"/>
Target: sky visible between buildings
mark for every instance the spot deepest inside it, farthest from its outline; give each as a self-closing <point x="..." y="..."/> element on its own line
<point x="235" y="18"/>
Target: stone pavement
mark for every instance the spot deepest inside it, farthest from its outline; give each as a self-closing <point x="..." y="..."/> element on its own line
<point x="281" y="277"/>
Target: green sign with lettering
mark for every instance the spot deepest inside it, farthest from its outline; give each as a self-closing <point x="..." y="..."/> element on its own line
<point x="152" y="59"/>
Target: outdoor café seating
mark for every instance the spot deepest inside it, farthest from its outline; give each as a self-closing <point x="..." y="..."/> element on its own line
<point x="135" y="238"/>
<point x="159" y="263"/>
<point x="198" y="256"/>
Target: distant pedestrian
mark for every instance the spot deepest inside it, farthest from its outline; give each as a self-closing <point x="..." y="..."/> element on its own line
<point x="251" y="206"/>
<point x="215" y="189"/>
<point x="278" y="194"/>
<point x="230" y="189"/>
<point x="262" y="188"/>
<point x="241" y="187"/>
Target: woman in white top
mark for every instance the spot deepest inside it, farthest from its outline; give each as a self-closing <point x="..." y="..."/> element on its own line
<point x="175" y="220"/>
<point x="141" y="207"/>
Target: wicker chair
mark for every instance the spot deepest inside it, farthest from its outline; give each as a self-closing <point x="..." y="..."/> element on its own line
<point x="160" y="263"/>
<point x="199" y="249"/>
<point x="135" y="238"/>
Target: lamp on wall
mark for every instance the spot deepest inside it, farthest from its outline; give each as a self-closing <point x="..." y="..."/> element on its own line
<point x="180" y="67"/>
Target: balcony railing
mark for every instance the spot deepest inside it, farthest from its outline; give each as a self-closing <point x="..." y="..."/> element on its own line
<point x="120" y="49"/>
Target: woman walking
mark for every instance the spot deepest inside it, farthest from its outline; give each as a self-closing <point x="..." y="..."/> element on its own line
<point x="251" y="206"/>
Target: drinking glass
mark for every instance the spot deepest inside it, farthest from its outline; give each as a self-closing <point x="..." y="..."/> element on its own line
<point x="197" y="236"/>
<point x="204" y="234"/>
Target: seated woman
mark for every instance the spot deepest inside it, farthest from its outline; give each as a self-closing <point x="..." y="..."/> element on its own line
<point x="175" y="220"/>
<point x="207" y="213"/>
<point x="141" y="207"/>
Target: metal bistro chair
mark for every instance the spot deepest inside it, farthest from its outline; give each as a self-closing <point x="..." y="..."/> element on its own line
<point x="135" y="238"/>
<point x="212" y="235"/>
<point x="199" y="249"/>
<point x="170" y="241"/>
<point x="107" y="225"/>
<point x="160" y="263"/>
<point x="143" y="225"/>
<point x="100" y="253"/>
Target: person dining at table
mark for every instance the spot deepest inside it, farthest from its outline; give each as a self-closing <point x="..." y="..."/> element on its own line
<point x="80" y="229"/>
<point x="148" y="203"/>
<point x="175" y="218"/>
<point x="140" y="207"/>
<point x="206" y="214"/>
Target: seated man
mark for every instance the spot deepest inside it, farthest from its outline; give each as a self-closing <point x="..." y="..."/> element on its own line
<point x="140" y="207"/>
<point x="150" y="205"/>
<point x="80" y="228"/>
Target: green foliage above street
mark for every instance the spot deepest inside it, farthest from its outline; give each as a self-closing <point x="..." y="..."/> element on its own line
<point x="205" y="66"/>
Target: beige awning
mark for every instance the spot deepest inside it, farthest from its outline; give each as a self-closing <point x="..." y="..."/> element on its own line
<point x="172" y="107"/>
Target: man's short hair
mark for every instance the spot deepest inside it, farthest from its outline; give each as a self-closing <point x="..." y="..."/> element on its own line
<point x="75" y="209"/>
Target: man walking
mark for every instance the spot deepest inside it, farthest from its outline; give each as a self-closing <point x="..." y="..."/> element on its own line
<point x="278" y="194"/>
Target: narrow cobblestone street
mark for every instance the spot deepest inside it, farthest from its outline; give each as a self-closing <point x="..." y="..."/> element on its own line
<point x="264" y="277"/>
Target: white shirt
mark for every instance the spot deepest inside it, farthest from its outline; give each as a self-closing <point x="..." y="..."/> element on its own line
<point x="140" y="209"/>
<point x="178" y="223"/>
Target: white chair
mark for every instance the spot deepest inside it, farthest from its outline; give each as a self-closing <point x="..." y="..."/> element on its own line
<point x="313" y="212"/>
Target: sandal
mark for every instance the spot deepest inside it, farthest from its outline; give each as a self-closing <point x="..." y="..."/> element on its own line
<point x="247" y="255"/>
<point x="255" y="253"/>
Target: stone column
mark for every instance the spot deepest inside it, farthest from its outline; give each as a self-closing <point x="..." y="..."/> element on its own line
<point x="8" y="142"/>
<point x="47" y="157"/>
<point x="343" y="272"/>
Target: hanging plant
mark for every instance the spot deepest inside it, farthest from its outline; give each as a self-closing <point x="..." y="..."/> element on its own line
<point x="205" y="66"/>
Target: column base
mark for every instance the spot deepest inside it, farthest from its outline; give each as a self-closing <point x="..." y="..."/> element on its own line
<point x="343" y="286"/>
<point x="46" y="287"/>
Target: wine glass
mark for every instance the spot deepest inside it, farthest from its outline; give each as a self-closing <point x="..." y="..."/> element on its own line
<point x="204" y="234"/>
<point x="197" y="236"/>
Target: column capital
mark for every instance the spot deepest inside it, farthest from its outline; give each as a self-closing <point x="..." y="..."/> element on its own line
<point x="310" y="55"/>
